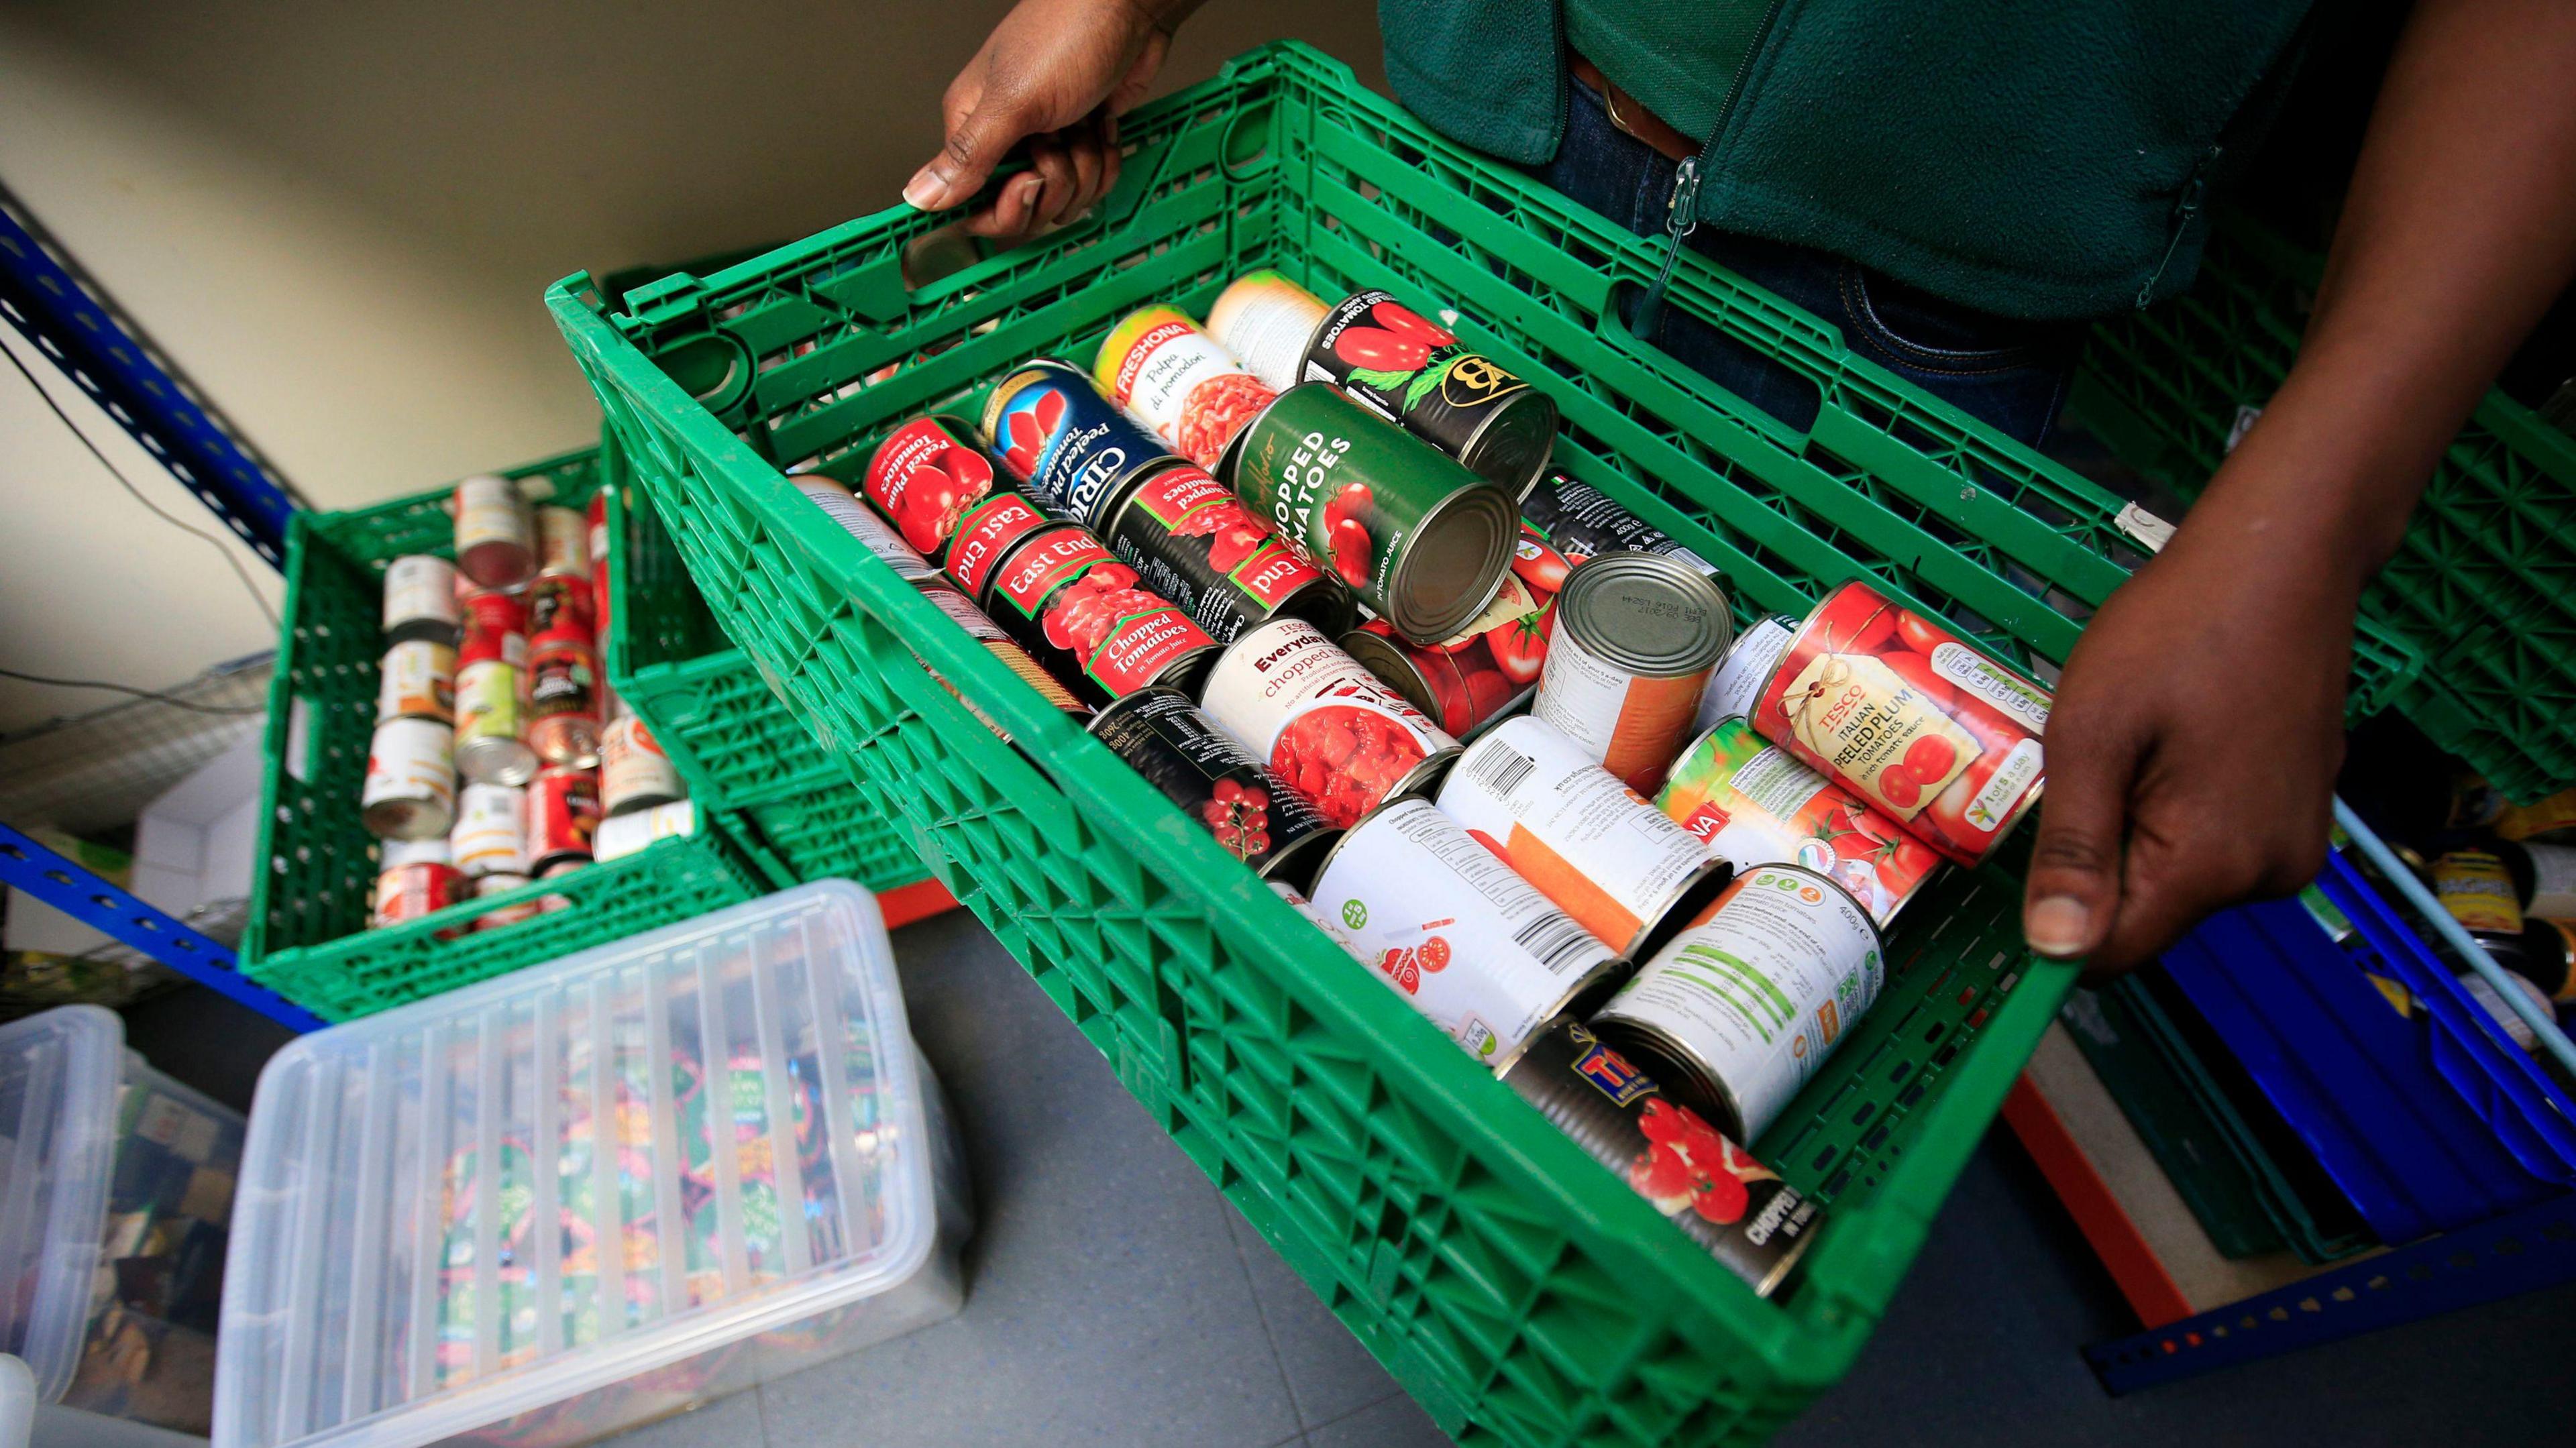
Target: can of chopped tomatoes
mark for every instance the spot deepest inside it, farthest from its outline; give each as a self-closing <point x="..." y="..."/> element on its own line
<point x="1753" y="803"/>
<point x="1738" y="1210"/>
<point x="1060" y="435"/>
<point x="987" y="535"/>
<point x="1066" y="599"/>
<point x="1587" y="841"/>
<point x="882" y="539"/>
<point x="1326" y="724"/>
<point x="563" y="818"/>
<point x="417" y="680"/>
<point x="1635" y="639"/>
<point x="1735" y="686"/>
<point x="1738" y="1010"/>
<point x="413" y="880"/>
<point x="1481" y="673"/>
<point x="1255" y="815"/>
<point x="1935" y="734"/>
<point x="1177" y="380"/>
<point x="962" y="611"/>
<point x="1190" y="539"/>
<point x="1464" y="940"/>
<point x="1421" y="540"/>
<point x="925" y="478"/>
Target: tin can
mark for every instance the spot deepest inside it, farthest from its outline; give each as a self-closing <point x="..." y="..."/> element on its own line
<point x="491" y="832"/>
<point x="1331" y="928"/>
<point x="1579" y="521"/>
<point x="1176" y="380"/>
<point x="1190" y="539"/>
<point x="563" y="542"/>
<point x="1077" y="610"/>
<point x="420" y="600"/>
<point x="410" y="789"/>
<point x="623" y="835"/>
<point x="634" y="772"/>
<point x="1062" y="437"/>
<point x="1738" y="1210"/>
<point x="962" y="611"/>
<point x="1738" y="1010"/>
<point x="1735" y="685"/>
<point x="1477" y="676"/>
<point x="855" y="518"/>
<point x="1754" y="803"/>
<point x="1326" y="724"/>
<point x="493" y="546"/>
<point x="414" y="880"/>
<point x="1466" y="942"/>
<point x="2553" y="818"/>
<point x="417" y="680"/>
<point x="1266" y="321"/>
<point x="986" y="536"/>
<point x="1636" y="637"/>
<point x="1255" y="815"/>
<point x="1934" y="734"/>
<point x="1421" y="540"/>
<point x="1587" y="841"/>
<point x="2548" y="958"/>
<point x="491" y="657"/>
<point x="492" y="885"/>
<point x="2478" y="891"/>
<point x="563" y="693"/>
<point x="596" y="517"/>
<point x="925" y="478"/>
<point x="563" y="818"/>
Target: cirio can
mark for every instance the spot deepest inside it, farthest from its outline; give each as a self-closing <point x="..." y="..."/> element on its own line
<point x="490" y="660"/>
<point x="1178" y="381"/>
<point x="563" y="819"/>
<point x="925" y="478"/>
<point x="417" y="680"/>
<point x="410" y="788"/>
<point x="1256" y="816"/>
<point x="634" y="771"/>
<point x="1078" y="611"/>
<point x="494" y="547"/>
<point x="1324" y="723"/>
<point x="491" y="832"/>
<point x="1192" y="541"/>
<point x="414" y="879"/>
<point x="1754" y="803"/>
<point x="420" y="600"/>
<point x="1066" y="442"/>
<point x="1636" y="636"/>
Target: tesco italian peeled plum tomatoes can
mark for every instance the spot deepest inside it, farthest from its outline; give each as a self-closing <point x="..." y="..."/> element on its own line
<point x="1254" y="814"/>
<point x="1078" y="611"/>
<point x="1464" y="940"/>
<point x="1737" y="1011"/>
<point x="925" y="478"/>
<point x="1175" y="379"/>
<point x="1192" y="541"/>
<point x="1062" y="437"/>
<point x="1421" y="540"/>
<point x="1635" y="638"/>
<point x="1752" y="804"/>
<point x="1938" y="736"/>
<point x="1326" y="724"/>
<point x="1738" y="1210"/>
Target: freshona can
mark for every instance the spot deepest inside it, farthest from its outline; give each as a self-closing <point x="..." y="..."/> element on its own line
<point x="1175" y="379"/>
<point x="1754" y="804"/>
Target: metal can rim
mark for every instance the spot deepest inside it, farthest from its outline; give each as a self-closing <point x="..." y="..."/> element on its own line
<point x="1479" y="593"/>
<point x="1519" y="489"/>
<point x="1575" y="620"/>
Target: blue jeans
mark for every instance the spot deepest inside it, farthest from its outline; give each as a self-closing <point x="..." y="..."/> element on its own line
<point x="2009" y="373"/>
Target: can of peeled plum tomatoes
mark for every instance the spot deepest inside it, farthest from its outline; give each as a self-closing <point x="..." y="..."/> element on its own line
<point x="410" y="788"/>
<point x="1938" y="736"/>
<point x="1754" y="803"/>
<point x="1079" y="612"/>
<point x="1738" y="1210"/>
<point x="1255" y="815"/>
<point x="1464" y="940"/>
<point x="1065" y="440"/>
<point x="1587" y="841"/>
<point x="1192" y="541"/>
<point x="1324" y="722"/>
<point x="925" y="478"/>
<point x="494" y="548"/>
<point x="1737" y="1011"/>
<point x="563" y="818"/>
<point x="1636" y="636"/>
<point x="1422" y="541"/>
<point x="1175" y="379"/>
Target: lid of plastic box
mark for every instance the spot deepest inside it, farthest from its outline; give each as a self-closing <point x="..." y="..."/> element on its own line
<point x="58" y="1077"/>
<point x="508" y="1197"/>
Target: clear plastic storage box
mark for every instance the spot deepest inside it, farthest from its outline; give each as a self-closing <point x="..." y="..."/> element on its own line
<point x="116" y="1183"/>
<point x="592" y="1192"/>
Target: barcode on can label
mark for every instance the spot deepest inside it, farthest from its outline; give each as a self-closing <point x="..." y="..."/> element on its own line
<point x="1498" y="767"/>
<point x="1557" y="942"/>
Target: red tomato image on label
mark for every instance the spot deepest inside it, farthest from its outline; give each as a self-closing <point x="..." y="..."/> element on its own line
<point x="1082" y="613"/>
<point x="1402" y="320"/>
<point x="1920" y="633"/>
<point x="1898" y="788"/>
<point x="1537" y="564"/>
<point x="1402" y="967"/>
<point x="1520" y="646"/>
<point x="935" y="497"/>
<point x="1345" y="758"/>
<point x="1239" y="816"/>
<point x="1348" y="535"/>
<point x="1233" y="535"/>
<point x="1929" y="758"/>
<point x="1374" y="349"/>
<point x="1434" y="954"/>
<point x="1686" y="1161"/>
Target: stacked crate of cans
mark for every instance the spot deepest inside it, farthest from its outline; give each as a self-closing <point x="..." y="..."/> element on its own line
<point x="1309" y="571"/>
<point x="500" y="755"/>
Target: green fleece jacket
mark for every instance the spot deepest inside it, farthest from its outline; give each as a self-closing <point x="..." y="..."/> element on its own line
<point x="2045" y="158"/>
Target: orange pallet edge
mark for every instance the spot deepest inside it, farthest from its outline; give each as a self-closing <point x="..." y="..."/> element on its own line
<point x="2152" y="1292"/>
<point x="917" y="901"/>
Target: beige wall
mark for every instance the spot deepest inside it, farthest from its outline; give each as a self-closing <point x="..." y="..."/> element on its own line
<point x="338" y="215"/>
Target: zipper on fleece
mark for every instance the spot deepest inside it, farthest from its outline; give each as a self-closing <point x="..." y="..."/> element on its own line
<point x="2186" y="207"/>
<point x="1681" y="209"/>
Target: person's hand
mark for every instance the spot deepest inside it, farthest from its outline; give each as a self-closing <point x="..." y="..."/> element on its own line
<point x="2193" y="745"/>
<point x="1056" y="74"/>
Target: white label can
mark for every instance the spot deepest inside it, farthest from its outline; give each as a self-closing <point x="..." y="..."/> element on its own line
<point x="1585" y="839"/>
<point x="1736" y="684"/>
<point x="417" y="680"/>
<point x="1737" y="1011"/>
<point x="1342" y="735"/>
<point x="563" y="541"/>
<point x="420" y="599"/>
<point x="625" y="834"/>
<point x="634" y="772"/>
<point x="862" y="523"/>
<point x="491" y="834"/>
<point x="493" y="547"/>
<point x="410" y="790"/>
<point x="1449" y="927"/>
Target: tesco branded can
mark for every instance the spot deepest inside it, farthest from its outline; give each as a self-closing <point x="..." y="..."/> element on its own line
<point x="1579" y="521"/>
<point x="962" y="611"/>
<point x="563" y="542"/>
<point x="1588" y="842"/>
<point x="411" y="884"/>
<point x="563" y="818"/>
<point x="1421" y="540"/>
<point x="1738" y="1210"/>
<point x="925" y="478"/>
<point x="1482" y="673"/>
<point x="494" y="547"/>
<point x="491" y="657"/>
<point x="843" y="507"/>
<point x="1062" y="437"/>
<point x="1737" y="1011"/>
<point x="1735" y="686"/>
<point x="1935" y="734"/>
<point x="985" y="536"/>
<point x="1256" y="816"/>
<point x="491" y="832"/>
<point x="506" y="915"/>
<point x="1328" y="726"/>
<point x="410" y="788"/>
<point x="1635" y="638"/>
<point x="1178" y="381"/>
<point x="623" y="835"/>
<point x="634" y="771"/>
<point x="1078" y="611"/>
<point x="1191" y="540"/>
<point x="417" y="680"/>
<point x="1467" y="942"/>
<point x="1754" y="803"/>
<point x="420" y="600"/>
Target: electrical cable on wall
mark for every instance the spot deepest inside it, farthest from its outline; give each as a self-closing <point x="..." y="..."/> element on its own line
<point x="170" y="699"/>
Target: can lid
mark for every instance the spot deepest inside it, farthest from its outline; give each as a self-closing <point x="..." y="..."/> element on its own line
<point x="1646" y="613"/>
<point x="1386" y="658"/>
<point x="1515" y="443"/>
<point x="1455" y="564"/>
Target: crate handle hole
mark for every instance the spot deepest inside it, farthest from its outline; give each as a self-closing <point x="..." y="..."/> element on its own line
<point x="713" y="367"/>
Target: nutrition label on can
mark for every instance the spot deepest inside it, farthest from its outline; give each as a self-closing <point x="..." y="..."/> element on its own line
<point x="1625" y="721"/>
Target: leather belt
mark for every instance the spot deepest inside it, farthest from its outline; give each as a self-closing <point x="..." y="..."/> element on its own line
<point x="1631" y="117"/>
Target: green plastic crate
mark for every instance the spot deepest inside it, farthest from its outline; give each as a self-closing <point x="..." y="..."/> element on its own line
<point x="1518" y="1291"/>
<point x="307" y="937"/>
<point x="2483" y="590"/>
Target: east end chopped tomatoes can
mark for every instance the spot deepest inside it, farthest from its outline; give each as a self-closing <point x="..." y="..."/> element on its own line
<point x="1463" y="939"/>
<point x="1254" y="814"/>
<point x="1935" y="734"/>
<point x="925" y="478"/>
<point x="1066" y="599"/>
<point x="1635" y="639"/>
<point x="1062" y="437"/>
<point x="1178" y="381"/>
<point x="1753" y="803"/>
<point x="1327" y="725"/>
<point x="986" y="536"/>
<point x="1192" y="541"/>
<point x="1738" y="1210"/>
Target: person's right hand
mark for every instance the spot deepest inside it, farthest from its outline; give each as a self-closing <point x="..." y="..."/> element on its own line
<point x="1056" y="74"/>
